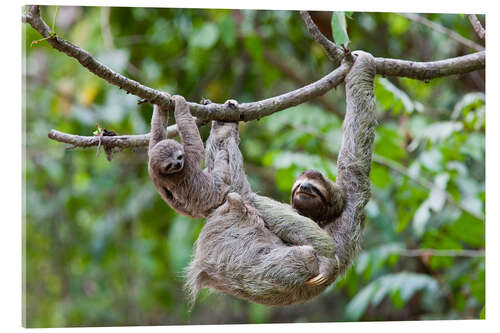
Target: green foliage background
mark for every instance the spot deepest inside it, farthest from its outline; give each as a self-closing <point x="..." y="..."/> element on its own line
<point x="102" y="248"/>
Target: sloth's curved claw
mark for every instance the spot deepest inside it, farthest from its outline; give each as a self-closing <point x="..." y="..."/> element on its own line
<point x="317" y="280"/>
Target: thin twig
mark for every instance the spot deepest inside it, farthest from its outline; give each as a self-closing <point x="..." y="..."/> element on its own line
<point x="334" y="53"/>
<point x="119" y="141"/>
<point x="478" y="28"/>
<point x="439" y="28"/>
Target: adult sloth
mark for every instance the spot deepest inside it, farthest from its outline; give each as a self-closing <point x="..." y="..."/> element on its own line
<point x="258" y="249"/>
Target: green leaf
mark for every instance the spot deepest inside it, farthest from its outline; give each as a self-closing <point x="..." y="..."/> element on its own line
<point x="435" y="202"/>
<point x="400" y="287"/>
<point x="380" y="177"/>
<point x="468" y="102"/>
<point x="339" y="29"/>
<point x="258" y="314"/>
<point x="390" y="97"/>
<point x="474" y="146"/>
<point x="357" y="306"/>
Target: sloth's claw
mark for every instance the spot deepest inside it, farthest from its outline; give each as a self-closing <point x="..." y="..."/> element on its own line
<point x="317" y="280"/>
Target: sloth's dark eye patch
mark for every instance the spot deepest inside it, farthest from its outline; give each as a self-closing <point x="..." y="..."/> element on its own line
<point x="318" y="192"/>
<point x="180" y="157"/>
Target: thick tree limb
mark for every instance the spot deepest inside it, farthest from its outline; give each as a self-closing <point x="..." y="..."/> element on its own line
<point x="478" y="28"/>
<point x="334" y="53"/>
<point x="431" y="70"/>
<point x="266" y="107"/>
<point x="439" y="28"/>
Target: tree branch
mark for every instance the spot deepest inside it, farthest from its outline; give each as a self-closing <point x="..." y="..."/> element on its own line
<point x="476" y="24"/>
<point x="334" y="53"/>
<point x="439" y="28"/>
<point x="119" y="141"/>
<point x="433" y="69"/>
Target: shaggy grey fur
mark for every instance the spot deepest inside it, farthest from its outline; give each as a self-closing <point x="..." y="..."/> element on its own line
<point x="237" y="253"/>
<point x="354" y="161"/>
<point x="224" y="137"/>
<point x="176" y="168"/>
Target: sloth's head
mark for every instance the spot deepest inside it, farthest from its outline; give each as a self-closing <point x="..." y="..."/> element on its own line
<point x="317" y="197"/>
<point x="167" y="157"/>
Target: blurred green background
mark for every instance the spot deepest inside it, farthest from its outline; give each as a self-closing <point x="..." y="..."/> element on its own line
<point x="102" y="248"/>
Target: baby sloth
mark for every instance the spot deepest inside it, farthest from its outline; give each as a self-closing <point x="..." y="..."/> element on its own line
<point x="317" y="197"/>
<point x="175" y="168"/>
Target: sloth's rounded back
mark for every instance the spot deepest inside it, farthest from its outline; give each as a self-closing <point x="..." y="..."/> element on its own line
<point x="236" y="254"/>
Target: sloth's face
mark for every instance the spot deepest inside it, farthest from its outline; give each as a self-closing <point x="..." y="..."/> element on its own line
<point x="309" y="191"/>
<point x="173" y="164"/>
<point x="310" y="195"/>
<point x="167" y="157"/>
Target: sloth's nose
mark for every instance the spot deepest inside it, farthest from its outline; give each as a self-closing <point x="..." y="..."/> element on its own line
<point x="178" y="165"/>
<point x="306" y="187"/>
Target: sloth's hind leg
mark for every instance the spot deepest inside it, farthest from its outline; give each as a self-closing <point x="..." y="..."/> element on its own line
<point x="225" y="136"/>
<point x="289" y="266"/>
